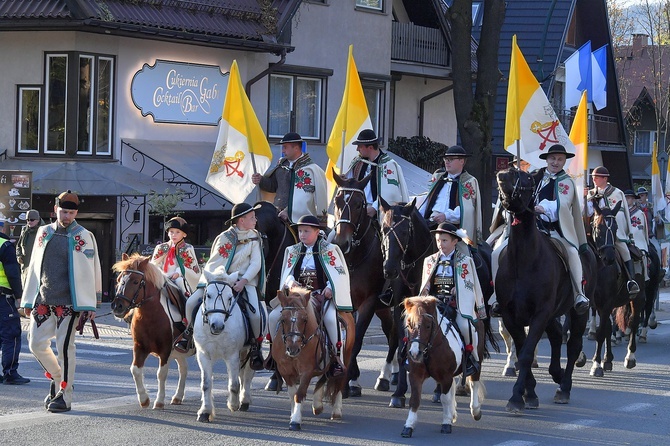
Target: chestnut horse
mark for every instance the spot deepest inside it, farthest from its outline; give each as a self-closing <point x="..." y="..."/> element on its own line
<point x="356" y="234"/>
<point x="533" y="288"/>
<point x="301" y="354"/>
<point x="141" y="287"/>
<point x="435" y="351"/>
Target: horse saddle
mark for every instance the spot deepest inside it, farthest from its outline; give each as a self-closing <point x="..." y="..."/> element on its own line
<point x="560" y="250"/>
<point x="635" y="253"/>
<point x="175" y="296"/>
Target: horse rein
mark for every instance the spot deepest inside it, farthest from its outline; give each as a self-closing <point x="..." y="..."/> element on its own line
<point x="347" y="199"/>
<point x="303" y="339"/>
<point x="417" y="339"/>
<point x="219" y="296"/>
<point x="609" y="221"/>
<point x="133" y="303"/>
<point x="391" y="229"/>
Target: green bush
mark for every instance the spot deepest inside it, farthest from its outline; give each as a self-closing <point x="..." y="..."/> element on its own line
<point x="419" y="150"/>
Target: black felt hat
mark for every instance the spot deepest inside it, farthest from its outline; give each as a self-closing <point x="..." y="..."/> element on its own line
<point x="556" y="149"/>
<point x="291" y="137"/>
<point x="240" y="209"/>
<point x="456" y="152"/>
<point x="367" y="137"/>
<point x="177" y="223"/>
<point x="447" y="228"/>
<point x="308" y="220"/>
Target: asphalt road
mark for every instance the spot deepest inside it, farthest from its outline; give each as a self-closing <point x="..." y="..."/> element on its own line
<point x="624" y="407"/>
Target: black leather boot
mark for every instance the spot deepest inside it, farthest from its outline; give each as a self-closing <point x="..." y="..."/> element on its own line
<point x="470" y="366"/>
<point x="255" y="356"/>
<point x="184" y="342"/>
<point x="633" y="287"/>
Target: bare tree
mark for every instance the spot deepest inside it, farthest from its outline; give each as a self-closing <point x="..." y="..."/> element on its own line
<point x="475" y="109"/>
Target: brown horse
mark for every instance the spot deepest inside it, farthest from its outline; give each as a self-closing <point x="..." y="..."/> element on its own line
<point x="435" y="351"/>
<point x="300" y="351"/>
<point x="360" y="241"/>
<point x="140" y="287"/>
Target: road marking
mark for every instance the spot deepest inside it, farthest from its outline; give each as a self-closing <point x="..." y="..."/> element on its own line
<point x="637" y="407"/>
<point x="99" y="352"/>
<point x="516" y="443"/>
<point x="576" y="425"/>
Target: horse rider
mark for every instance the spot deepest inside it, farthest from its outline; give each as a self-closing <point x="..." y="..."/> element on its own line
<point x="387" y="178"/>
<point x="178" y="261"/>
<point x="454" y="196"/>
<point x="647" y="207"/>
<point x="298" y="183"/>
<point x="608" y="196"/>
<point x="639" y="224"/>
<point x="499" y="229"/>
<point x="451" y="276"/>
<point x="319" y="266"/>
<point x="559" y="216"/>
<point x="237" y="249"/>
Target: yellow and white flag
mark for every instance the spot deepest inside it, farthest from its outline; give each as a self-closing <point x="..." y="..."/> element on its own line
<point x="530" y="119"/>
<point x="351" y="119"/>
<point x="241" y="146"/>
<point x="657" y="195"/>
<point x="579" y="136"/>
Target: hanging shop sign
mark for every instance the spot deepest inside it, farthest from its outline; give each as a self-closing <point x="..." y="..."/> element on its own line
<point x="15" y="199"/>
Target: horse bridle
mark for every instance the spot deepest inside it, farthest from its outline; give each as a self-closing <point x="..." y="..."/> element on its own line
<point x="608" y="221"/>
<point x="426" y="345"/>
<point x="392" y="230"/>
<point x="357" y="225"/>
<point x="134" y="303"/>
<point x="219" y="296"/>
<point x="303" y="339"/>
<point x="517" y="189"/>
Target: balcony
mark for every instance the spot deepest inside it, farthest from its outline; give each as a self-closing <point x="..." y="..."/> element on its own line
<point x="602" y="129"/>
<point x="418" y="44"/>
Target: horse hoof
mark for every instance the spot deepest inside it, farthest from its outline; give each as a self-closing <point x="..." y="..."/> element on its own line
<point x="317" y="410"/>
<point x="336" y="417"/>
<point x="581" y="360"/>
<point x="355" y="391"/>
<point x="477" y="416"/>
<point x="294" y="426"/>
<point x="144" y="404"/>
<point x="436" y="398"/>
<point x="515" y="408"/>
<point x="394" y="379"/>
<point x="462" y="391"/>
<point x="597" y="372"/>
<point x="531" y="403"/>
<point x="382" y="385"/>
<point x="271" y="386"/>
<point x="561" y="397"/>
<point x="244" y="407"/>
<point x="630" y="363"/>
<point x="397" y="401"/>
<point x="204" y="417"/>
<point x="176" y="401"/>
<point x="607" y="366"/>
<point x="535" y="365"/>
<point x="642" y="340"/>
<point x="407" y="432"/>
<point x="652" y="322"/>
<point x="446" y="429"/>
<point x="159" y="406"/>
<point x="509" y="371"/>
<point x="591" y="336"/>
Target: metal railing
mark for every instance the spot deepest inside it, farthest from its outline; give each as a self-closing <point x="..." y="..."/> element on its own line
<point x="602" y="129"/>
<point x="414" y="43"/>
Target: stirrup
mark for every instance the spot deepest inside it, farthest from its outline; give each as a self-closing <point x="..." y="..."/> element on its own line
<point x="183" y="342"/>
<point x="633" y="288"/>
<point x="495" y="309"/>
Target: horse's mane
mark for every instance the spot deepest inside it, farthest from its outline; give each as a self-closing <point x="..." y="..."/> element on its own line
<point x="416" y="306"/>
<point x="152" y="273"/>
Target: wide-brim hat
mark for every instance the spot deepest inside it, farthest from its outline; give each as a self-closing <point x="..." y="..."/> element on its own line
<point x="291" y="137"/>
<point x="177" y="223"/>
<point x="642" y="190"/>
<point x="600" y="171"/>
<point x="456" y="152"/>
<point x="447" y="228"/>
<point x="556" y="149"/>
<point x="241" y="209"/>
<point x="630" y="193"/>
<point x="367" y="137"/>
<point x="308" y="220"/>
<point x="68" y="200"/>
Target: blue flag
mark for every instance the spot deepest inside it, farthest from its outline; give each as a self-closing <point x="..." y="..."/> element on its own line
<point x="578" y="75"/>
<point x="599" y="77"/>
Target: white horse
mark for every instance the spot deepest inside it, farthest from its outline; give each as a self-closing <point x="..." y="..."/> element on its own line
<point x="219" y="332"/>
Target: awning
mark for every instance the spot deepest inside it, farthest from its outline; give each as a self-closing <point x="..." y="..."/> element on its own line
<point x="90" y="178"/>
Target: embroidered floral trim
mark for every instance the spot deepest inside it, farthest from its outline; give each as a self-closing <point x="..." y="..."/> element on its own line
<point x="635" y="222"/>
<point x="470" y="191"/>
<point x="79" y="243"/>
<point x="224" y="251"/>
<point x="464" y="270"/>
<point x="302" y="179"/>
<point x="563" y="188"/>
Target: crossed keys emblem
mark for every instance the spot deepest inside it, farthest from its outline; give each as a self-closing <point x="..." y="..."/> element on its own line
<point x="230" y="163"/>
<point x="546" y="131"/>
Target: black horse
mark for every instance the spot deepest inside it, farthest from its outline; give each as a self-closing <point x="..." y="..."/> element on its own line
<point x="612" y="292"/>
<point x="406" y="242"/>
<point x="277" y="236"/>
<point x="534" y="288"/>
<point x="656" y="274"/>
<point x="357" y="235"/>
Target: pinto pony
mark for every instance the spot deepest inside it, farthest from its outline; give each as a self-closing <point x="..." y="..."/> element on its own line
<point x="301" y="354"/>
<point x="141" y="287"/>
<point x="435" y="351"/>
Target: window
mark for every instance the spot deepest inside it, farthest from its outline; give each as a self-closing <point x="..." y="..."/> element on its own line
<point x="644" y="141"/>
<point x="28" y="117"/>
<point x="372" y="4"/>
<point x="78" y="107"/>
<point x="374" y="98"/>
<point x="295" y="106"/>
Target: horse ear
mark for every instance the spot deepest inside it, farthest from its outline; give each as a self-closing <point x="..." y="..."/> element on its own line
<point x="364" y="182"/>
<point x="383" y="205"/>
<point x="282" y="298"/>
<point x="339" y="180"/>
<point x="124" y="256"/>
<point x="596" y="207"/>
<point x="409" y="304"/>
<point x="617" y="207"/>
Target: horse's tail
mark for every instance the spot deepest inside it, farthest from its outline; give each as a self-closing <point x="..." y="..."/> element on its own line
<point x="623" y="316"/>
<point x="491" y="338"/>
<point x="333" y="386"/>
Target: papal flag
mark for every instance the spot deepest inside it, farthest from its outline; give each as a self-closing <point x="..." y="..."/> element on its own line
<point x="530" y="122"/>
<point x="351" y="119"/>
<point x="657" y="195"/>
<point x="241" y="147"/>
<point x="579" y="136"/>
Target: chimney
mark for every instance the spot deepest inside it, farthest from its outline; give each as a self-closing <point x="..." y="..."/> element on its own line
<point x="640" y="42"/>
